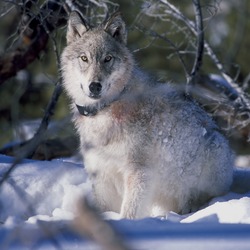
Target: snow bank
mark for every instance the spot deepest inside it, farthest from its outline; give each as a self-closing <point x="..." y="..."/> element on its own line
<point x="231" y="208"/>
<point x="45" y="193"/>
<point x="38" y="188"/>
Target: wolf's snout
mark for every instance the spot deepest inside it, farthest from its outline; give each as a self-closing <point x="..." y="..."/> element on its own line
<point x="95" y="89"/>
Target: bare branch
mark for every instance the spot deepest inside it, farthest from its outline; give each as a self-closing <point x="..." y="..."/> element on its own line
<point x="242" y="101"/>
<point x="29" y="148"/>
<point x="23" y="55"/>
<point x="155" y="35"/>
<point x="33" y="39"/>
<point x="200" y="41"/>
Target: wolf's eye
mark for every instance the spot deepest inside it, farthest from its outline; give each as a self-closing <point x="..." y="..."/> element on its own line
<point x="84" y="58"/>
<point x="108" y="58"/>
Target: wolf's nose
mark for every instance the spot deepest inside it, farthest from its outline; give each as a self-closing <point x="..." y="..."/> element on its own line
<point x="95" y="88"/>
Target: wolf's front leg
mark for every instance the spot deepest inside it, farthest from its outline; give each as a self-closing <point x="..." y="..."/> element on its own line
<point x="137" y="195"/>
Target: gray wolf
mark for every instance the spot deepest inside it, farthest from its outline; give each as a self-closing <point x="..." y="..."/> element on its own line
<point x="147" y="148"/>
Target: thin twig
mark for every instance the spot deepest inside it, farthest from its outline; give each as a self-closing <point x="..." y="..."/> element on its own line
<point x="176" y="50"/>
<point x="200" y="42"/>
<point x="243" y="100"/>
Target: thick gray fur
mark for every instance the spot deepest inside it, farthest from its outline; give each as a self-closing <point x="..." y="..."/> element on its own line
<point x="148" y="150"/>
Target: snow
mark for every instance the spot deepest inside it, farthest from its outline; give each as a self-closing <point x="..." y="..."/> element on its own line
<point x="38" y="205"/>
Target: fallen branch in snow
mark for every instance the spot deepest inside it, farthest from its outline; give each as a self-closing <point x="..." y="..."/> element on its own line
<point x="90" y="224"/>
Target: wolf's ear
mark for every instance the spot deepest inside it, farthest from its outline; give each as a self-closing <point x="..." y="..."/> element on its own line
<point x="116" y="27"/>
<point x="76" y="27"/>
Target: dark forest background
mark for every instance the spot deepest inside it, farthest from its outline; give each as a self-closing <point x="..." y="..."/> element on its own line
<point x="165" y="37"/>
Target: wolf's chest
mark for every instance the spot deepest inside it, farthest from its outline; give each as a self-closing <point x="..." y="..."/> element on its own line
<point x="97" y="129"/>
<point x="104" y="142"/>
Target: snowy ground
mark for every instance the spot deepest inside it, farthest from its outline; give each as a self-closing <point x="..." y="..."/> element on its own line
<point x="38" y="203"/>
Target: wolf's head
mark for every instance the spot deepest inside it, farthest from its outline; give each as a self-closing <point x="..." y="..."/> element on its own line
<point x="96" y="65"/>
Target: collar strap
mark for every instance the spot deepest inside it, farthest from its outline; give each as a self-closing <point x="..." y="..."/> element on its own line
<point x="92" y="111"/>
<point x="86" y="110"/>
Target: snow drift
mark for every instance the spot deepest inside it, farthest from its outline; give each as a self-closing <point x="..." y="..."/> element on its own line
<point x="43" y="194"/>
